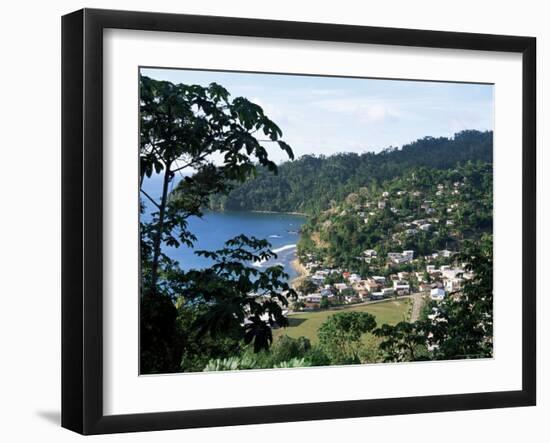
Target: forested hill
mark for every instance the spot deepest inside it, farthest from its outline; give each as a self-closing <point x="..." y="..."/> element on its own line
<point x="310" y="183"/>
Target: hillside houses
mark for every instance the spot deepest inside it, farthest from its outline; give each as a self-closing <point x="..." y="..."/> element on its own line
<point x="400" y="257"/>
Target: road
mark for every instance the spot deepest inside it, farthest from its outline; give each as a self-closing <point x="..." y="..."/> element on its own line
<point x="417" y="302"/>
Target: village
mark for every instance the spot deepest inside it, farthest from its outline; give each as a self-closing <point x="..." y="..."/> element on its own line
<point x="416" y="216"/>
<point x="334" y="286"/>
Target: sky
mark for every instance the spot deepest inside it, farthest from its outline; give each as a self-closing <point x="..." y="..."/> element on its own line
<point x="325" y="115"/>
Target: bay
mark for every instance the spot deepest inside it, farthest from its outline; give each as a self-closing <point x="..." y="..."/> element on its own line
<point x="215" y="228"/>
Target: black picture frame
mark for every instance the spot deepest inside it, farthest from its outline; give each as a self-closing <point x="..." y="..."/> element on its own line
<point x="82" y="154"/>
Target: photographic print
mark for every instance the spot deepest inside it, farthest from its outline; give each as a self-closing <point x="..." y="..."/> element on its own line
<point x="291" y="221"/>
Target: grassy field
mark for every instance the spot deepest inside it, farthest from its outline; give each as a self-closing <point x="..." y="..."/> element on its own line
<point x="306" y="324"/>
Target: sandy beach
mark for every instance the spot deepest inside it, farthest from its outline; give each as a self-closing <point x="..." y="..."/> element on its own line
<point x="300" y="269"/>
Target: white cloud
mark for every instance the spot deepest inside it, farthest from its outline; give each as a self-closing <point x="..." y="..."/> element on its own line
<point x="366" y="110"/>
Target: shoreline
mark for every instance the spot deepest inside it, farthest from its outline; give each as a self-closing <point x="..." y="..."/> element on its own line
<point x="301" y="214"/>
<point x="300" y="269"/>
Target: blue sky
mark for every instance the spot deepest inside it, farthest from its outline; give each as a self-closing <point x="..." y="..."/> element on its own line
<point x="325" y="115"/>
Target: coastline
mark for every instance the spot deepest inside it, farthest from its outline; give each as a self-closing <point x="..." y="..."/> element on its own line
<point x="301" y="214"/>
<point x="300" y="269"/>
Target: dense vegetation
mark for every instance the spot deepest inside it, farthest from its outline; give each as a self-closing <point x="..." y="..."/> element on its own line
<point x="311" y="184"/>
<point x="424" y="210"/>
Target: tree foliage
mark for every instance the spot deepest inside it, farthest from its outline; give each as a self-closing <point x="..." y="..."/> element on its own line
<point x="310" y="183"/>
<point x="459" y="327"/>
<point x="183" y="130"/>
<point x="340" y="335"/>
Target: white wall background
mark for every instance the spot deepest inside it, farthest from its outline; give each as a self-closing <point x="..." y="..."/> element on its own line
<point x="30" y="219"/>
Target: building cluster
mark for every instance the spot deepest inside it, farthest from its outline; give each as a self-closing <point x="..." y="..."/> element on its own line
<point x="437" y="283"/>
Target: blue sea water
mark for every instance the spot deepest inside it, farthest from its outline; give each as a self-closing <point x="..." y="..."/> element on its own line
<point x="215" y="228"/>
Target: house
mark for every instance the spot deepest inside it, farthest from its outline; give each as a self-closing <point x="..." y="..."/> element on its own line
<point x="419" y="276"/>
<point x="453" y="284"/>
<point x="401" y="257"/>
<point x="401" y="287"/>
<point x="430" y="268"/>
<point x="379" y="279"/>
<point x="393" y="256"/>
<point x="419" y="222"/>
<point x="381" y="204"/>
<point x="385" y="194"/>
<point x="369" y="253"/>
<point x="403" y="275"/>
<point x="340" y="286"/>
<point x="376" y="296"/>
<point x="372" y="285"/>
<point x="426" y="226"/>
<point x="437" y="294"/>
<point x="314" y="298"/>
<point x="446" y="253"/>
<point x="354" y="278"/>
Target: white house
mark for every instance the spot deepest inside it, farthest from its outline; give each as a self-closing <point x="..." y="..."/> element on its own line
<point x="401" y="288"/>
<point x="340" y="286"/>
<point x="314" y="298"/>
<point x="369" y="253"/>
<point x="437" y="294"/>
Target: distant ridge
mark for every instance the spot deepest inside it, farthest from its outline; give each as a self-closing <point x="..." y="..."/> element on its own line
<point x="310" y="183"/>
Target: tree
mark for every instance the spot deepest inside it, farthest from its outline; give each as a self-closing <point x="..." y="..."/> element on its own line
<point x="239" y="296"/>
<point x="183" y="130"/>
<point x="182" y="127"/>
<point x="463" y="322"/>
<point x="324" y="304"/>
<point x="340" y="335"/>
<point x="403" y="342"/>
<point x="460" y="326"/>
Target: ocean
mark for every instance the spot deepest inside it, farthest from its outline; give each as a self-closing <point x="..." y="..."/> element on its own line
<point x="215" y="228"/>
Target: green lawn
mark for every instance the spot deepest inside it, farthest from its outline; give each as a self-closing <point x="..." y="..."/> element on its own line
<point x="306" y="324"/>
